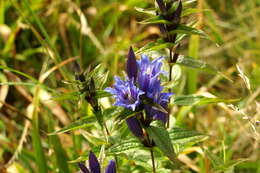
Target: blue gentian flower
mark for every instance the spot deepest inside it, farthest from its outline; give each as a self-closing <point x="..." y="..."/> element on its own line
<point x="135" y="127"/>
<point x="126" y="93"/>
<point x="142" y="82"/>
<point x="94" y="166"/>
<point x="111" y="167"/>
<point x="131" y="65"/>
<point x="148" y="80"/>
<point x="162" y="99"/>
<point x="148" y="75"/>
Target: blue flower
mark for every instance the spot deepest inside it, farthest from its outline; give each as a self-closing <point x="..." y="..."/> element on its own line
<point x="94" y="165"/>
<point x="131" y="65"/>
<point x="126" y="93"/>
<point x="142" y="80"/>
<point x="111" y="168"/>
<point x="148" y="80"/>
<point x="162" y="99"/>
<point x="148" y="75"/>
<point x="135" y="127"/>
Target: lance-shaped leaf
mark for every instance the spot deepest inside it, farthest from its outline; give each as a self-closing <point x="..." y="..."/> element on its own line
<point x="197" y="64"/>
<point x="161" y="5"/>
<point x="79" y="124"/>
<point x="177" y="14"/>
<point x="154" y="46"/>
<point x="145" y="11"/>
<point x="135" y="127"/>
<point x="189" y="100"/>
<point x="93" y="163"/>
<point x="155" y="20"/>
<point x="125" y="146"/>
<point x="124" y="114"/>
<point x="161" y="137"/>
<point x="182" y="138"/>
<point x="111" y="168"/>
<point x="83" y="168"/>
<point x="131" y="65"/>
<point x="183" y="29"/>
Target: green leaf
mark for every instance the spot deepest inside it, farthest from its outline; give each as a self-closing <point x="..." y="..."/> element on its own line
<point x="67" y="96"/>
<point x="60" y="154"/>
<point x="100" y="118"/>
<point x="189" y="11"/>
<point x="154" y="46"/>
<point x="101" y="94"/>
<point x="35" y="81"/>
<point x="227" y="167"/>
<point x="124" y="146"/>
<point x="124" y="114"/>
<point x="18" y="83"/>
<point x="79" y="124"/>
<point x="146" y="11"/>
<point x="197" y="64"/>
<point x="161" y="137"/>
<point x="183" y="29"/>
<point x="93" y="138"/>
<point x="216" y="161"/>
<point x="94" y="72"/>
<point x="38" y="148"/>
<point x="155" y="20"/>
<point x="20" y="73"/>
<point x="189" y="100"/>
<point x="182" y="138"/>
<point x="219" y="165"/>
<point x="113" y="111"/>
<point x="101" y="80"/>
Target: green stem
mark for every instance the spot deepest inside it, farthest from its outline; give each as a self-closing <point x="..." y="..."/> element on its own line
<point x="152" y="156"/>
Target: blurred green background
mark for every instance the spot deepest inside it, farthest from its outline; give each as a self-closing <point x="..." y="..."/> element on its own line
<point x="37" y="35"/>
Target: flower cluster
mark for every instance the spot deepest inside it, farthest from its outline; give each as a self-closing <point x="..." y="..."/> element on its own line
<point x="141" y="90"/>
<point x="94" y="166"/>
<point x="174" y="16"/>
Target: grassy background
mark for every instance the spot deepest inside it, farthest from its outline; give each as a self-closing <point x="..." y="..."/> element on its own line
<point x="41" y="39"/>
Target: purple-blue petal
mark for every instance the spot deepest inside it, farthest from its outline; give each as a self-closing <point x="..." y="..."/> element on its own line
<point x="177" y="13"/>
<point x="135" y="127"/>
<point x="161" y="5"/>
<point x="83" y="168"/>
<point x="161" y="116"/>
<point x="126" y="93"/>
<point x="93" y="163"/>
<point x="131" y="65"/>
<point x="111" y="167"/>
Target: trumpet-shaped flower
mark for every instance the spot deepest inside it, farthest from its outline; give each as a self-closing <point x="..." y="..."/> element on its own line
<point x="126" y="93"/>
<point x="142" y="83"/>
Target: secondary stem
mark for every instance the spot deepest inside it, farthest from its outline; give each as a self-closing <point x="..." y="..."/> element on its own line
<point x="170" y="79"/>
<point x="152" y="156"/>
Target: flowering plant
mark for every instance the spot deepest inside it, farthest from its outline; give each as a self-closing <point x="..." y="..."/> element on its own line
<point x="94" y="166"/>
<point x="141" y="92"/>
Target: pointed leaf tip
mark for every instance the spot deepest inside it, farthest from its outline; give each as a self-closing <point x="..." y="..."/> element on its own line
<point x="131" y="66"/>
<point x="93" y="163"/>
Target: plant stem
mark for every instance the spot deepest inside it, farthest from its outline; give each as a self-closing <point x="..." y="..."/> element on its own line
<point x="152" y="156"/>
<point x="170" y="79"/>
